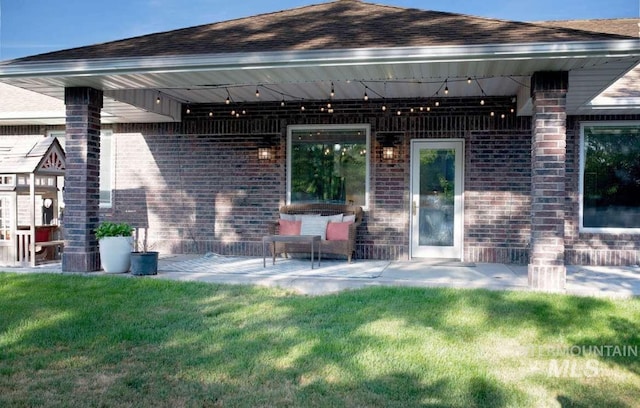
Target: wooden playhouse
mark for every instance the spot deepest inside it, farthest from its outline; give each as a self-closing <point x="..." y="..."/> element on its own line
<point x="31" y="171"/>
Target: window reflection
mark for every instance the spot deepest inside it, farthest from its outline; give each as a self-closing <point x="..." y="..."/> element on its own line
<point x="611" y="177"/>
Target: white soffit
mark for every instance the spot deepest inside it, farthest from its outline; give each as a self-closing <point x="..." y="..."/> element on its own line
<point x="24" y="107"/>
<point x="501" y="69"/>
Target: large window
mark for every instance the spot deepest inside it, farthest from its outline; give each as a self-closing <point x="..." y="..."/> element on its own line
<point x="5" y="219"/>
<point x="328" y="164"/>
<point x="106" y="164"/>
<point x="610" y="177"/>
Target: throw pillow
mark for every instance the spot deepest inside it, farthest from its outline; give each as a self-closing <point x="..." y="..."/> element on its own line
<point x="314" y="226"/>
<point x="290" y="227"/>
<point x="333" y="218"/>
<point x="338" y="231"/>
<point x="288" y="217"/>
<point x="302" y="217"/>
<point x="348" y="218"/>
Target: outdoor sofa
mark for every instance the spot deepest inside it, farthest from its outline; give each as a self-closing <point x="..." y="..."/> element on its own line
<point x="337" y="224"/>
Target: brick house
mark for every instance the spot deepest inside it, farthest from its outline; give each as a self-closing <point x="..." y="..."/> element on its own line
<point x="462" y="137"/>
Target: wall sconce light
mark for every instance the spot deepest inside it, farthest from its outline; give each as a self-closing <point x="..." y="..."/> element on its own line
<point x="388" y="152"/>
<point x="389" y="147"/>
<point x="265" y="149"/>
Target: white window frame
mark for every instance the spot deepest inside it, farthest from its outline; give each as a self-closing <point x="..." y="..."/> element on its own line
<point x="602" y="230"/>
<point x="363" y="126"/>
<point x="106" y="135"/>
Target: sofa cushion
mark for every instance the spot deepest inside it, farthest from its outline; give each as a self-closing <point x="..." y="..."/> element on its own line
<point x="288" y="217"/>
<point x="338" y="231"/>
<point x="347" y="218"/>
<point x="314" y="226"/>
<point x="290" y="227"/>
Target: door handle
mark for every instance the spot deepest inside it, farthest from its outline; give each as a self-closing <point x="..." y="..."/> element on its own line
<point x="414" y="207"/>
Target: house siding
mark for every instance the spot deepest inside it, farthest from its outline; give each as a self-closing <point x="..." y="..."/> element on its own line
<point x="199" y="186"/>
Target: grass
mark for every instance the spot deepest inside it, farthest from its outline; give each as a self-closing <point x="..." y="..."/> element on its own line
<point x="110" y="341"/>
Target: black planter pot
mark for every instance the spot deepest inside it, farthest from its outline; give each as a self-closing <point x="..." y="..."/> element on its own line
<point x="144" y="263"/>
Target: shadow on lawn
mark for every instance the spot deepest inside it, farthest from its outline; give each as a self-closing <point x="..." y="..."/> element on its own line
<point x="166" y="343"/>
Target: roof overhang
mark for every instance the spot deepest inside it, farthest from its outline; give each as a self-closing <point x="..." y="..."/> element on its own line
<point x="502" y="70"/>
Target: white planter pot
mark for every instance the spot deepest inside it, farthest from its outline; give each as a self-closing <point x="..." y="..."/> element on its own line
<point x="115" y="254"/>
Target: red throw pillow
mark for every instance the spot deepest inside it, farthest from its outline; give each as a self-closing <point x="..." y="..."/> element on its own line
<point x="290" y="227"/>
<point x="338" y="231"/>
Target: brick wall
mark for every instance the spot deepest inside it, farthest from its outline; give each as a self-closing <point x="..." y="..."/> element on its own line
<point x="200" y="188"/>
<point x="497" y="196"/>
<point x="588" y="248"/>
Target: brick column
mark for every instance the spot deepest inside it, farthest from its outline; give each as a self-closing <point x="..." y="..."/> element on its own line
<point x="547" y="270"/>
<point x="82" y="179"/>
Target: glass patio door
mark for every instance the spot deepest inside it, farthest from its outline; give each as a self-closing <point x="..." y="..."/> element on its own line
<point x="436" y="198"/>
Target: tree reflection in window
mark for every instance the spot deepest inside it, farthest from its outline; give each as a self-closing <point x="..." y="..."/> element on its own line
<point x="611" y="177"/>
<point x="329" y="166"/>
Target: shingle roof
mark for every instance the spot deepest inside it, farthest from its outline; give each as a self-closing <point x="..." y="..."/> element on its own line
<point x="619" y="26"/>
<point x="341" y="24"/>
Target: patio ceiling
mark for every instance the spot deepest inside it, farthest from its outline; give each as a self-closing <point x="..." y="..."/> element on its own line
<point x="351" y="46"/>
<point x="132" y="85"/>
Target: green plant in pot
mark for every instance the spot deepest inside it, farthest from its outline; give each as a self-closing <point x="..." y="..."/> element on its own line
<point x="115" y="241"/>
<point x="143" y="261"/>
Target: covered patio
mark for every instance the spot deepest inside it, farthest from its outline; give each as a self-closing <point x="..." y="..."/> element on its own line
<point x="396" y="71"/>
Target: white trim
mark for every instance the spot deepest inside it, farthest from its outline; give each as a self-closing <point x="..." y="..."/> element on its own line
<point x="601" y="230"/>
<point x="313" y="58"/>
<point x="363" y="126"/>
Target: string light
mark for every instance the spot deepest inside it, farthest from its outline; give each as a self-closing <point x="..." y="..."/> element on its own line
<point x="158" y="99"/>
<point x="401" y="110"/>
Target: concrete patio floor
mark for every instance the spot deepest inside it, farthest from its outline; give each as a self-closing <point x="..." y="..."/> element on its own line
<point x="337" y="275"/>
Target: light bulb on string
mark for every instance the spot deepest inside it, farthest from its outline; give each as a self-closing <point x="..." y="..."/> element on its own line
<point x="446" y="87"/>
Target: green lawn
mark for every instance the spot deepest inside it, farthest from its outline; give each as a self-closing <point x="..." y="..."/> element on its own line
<point x="112" y="341"/>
